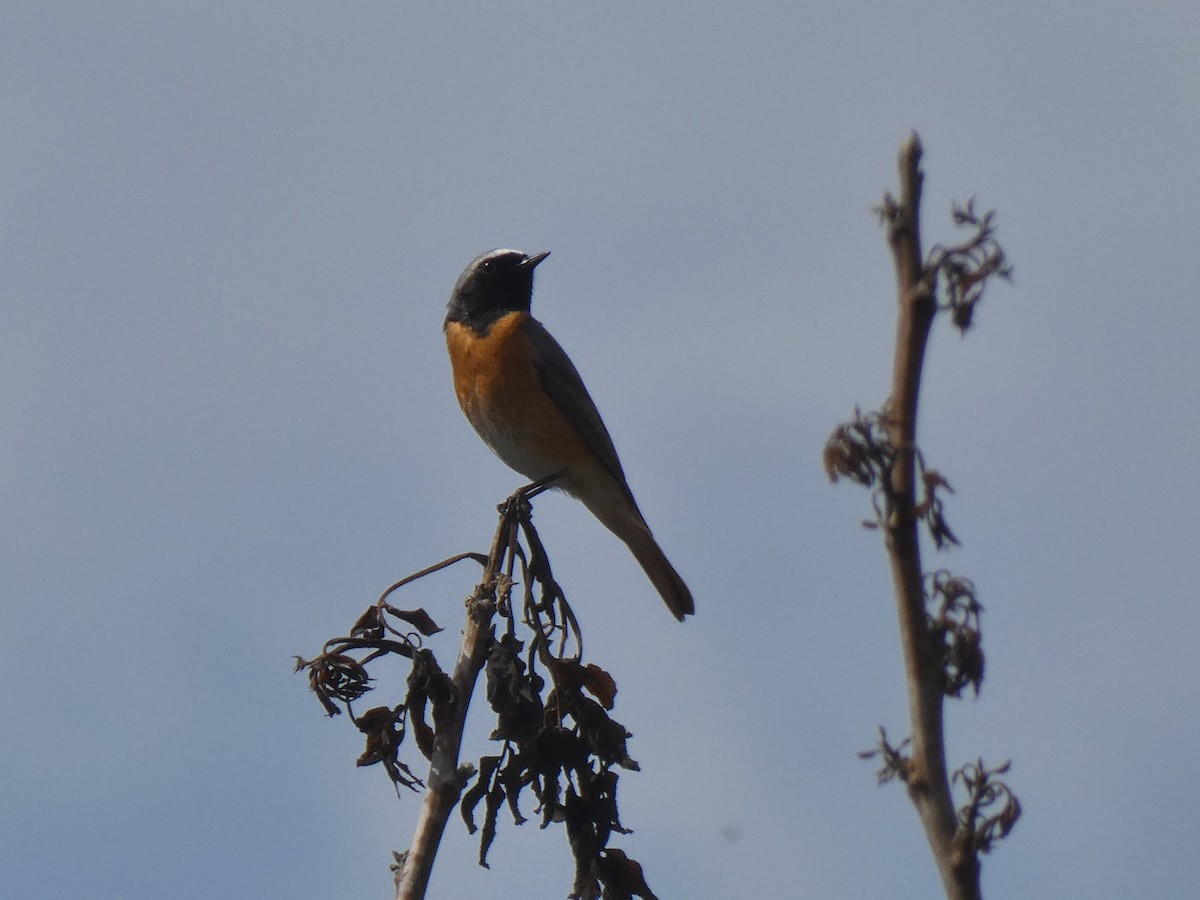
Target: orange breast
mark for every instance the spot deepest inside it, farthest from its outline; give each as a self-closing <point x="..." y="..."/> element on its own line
<point x="498" y="389"/>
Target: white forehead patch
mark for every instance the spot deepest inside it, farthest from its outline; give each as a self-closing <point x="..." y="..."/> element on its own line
<point x="493" y="254"/>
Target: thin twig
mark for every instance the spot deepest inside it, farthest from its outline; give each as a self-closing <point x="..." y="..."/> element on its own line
<point x="429" y="570"/>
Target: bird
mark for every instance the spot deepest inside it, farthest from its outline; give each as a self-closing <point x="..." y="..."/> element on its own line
<point x="525" y="398"/>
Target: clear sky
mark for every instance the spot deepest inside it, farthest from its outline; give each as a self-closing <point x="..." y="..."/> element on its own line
<point x="228" y="234"/>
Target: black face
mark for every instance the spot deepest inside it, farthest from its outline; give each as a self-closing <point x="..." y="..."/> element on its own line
<point x="498" y="282"/>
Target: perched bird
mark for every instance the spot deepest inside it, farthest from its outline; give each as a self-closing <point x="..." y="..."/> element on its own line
<point x="520" y="391"/>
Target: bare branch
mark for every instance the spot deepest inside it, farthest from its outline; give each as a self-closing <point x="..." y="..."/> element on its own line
<point x="928" y="782"/>
<point x="939" y="616"/>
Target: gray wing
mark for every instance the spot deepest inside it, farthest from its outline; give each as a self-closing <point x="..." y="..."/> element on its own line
<point x="559" y="377"/>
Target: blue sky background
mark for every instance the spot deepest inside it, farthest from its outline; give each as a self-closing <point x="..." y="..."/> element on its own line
<point x="228" y="234"/>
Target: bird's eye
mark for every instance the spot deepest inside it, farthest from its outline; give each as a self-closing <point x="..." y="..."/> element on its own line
<point x="487" y="265"/>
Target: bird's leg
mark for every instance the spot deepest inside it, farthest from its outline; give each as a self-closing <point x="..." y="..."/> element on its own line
<point x="531" y="490"/>
<point x="528" y="492"/>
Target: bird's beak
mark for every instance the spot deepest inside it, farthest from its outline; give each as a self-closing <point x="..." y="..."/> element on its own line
<point x="532" y="261"/>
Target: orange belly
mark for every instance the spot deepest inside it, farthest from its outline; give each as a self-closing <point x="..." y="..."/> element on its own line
<point x="498" y="389"/>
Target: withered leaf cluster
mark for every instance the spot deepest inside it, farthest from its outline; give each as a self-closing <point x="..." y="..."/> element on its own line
<point x="862" y="450"/>
<point x="384" y="728"/>
<point x="557" y="737"/>
<point x="895" y="761"/>
<point x="967" y="266"/>
<point x="338" y="676"/>
<point x="991" y="809"/>
<point x="553" y="724"/>
<point x="564" y="750"/>
<point x="954" y="621"/>
<point x="859" y="450"/>
<point x="929" y="507"/>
